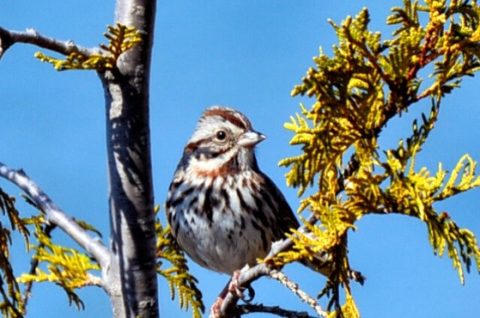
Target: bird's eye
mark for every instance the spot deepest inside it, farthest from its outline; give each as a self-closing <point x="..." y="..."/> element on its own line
<point x="221" y="135"/>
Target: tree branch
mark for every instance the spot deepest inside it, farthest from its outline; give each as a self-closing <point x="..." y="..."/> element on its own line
<point x="284" y="280"/>
<point x="31" y="36"/>
<point x="57" y="216"/>
<point x="276" y="310"/>
<point x="132" y="217"/>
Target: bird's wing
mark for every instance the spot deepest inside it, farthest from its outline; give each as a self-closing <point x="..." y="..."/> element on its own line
<point x="285" y="215"/>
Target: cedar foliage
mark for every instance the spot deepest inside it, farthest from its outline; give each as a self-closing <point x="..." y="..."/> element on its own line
<point x="356" y="92"/>
<point x="365" y="83"/>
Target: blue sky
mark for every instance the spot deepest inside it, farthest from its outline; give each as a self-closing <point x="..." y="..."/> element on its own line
<point x="246" y="54"/>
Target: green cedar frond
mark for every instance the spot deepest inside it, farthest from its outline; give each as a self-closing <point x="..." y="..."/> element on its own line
<point x="465" y="168"/>
<point x="179" y="279"/>
<point x="121" y="39"/>
<point x="356" y="92"/>
<point x="414" y="194"/>
<point x="7" y="206"/>
<point x="67" y="267"/>
<point x="349" y="309"/>
<point x="11" y="301"/>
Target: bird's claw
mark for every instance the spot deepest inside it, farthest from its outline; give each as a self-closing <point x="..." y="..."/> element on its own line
<point x="215" y="309"/>
<point x="238" y="291"/>
<point x="233" y="287"/>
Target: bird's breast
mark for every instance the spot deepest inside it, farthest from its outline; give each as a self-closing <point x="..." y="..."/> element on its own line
<point x="220" y="222"/>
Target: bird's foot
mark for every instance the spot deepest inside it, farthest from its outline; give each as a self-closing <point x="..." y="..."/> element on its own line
<point x="234" y="289"/>
<point x="215" y="309"/>
<point x="233" y="286"/>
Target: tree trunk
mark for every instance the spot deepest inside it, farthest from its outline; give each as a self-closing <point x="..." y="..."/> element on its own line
<point x="131" y="279"/>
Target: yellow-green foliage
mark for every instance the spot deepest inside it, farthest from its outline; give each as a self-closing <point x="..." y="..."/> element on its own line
<point x="349" y="309"/>
<point x="67" y="267"/>
<point x="121" y="38"/>
<point x="11" y="300"/>
<point x="364" y="84"/>
<point x="177" y="275"/>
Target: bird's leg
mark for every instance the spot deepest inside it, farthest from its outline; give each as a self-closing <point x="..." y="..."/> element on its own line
<point x="231" y="287"/>
<point x="215" y="309"/>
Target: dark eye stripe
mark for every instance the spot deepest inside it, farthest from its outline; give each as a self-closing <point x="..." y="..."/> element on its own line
<point x="208" y="153"/>
<point x="196" y="149"/>
<point x="199" y="148"/>
<point x="192" y="146"/>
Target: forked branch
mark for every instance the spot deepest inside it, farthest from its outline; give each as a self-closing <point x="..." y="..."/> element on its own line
<point x="31" y="36"/>
<point x="55" y="215"/>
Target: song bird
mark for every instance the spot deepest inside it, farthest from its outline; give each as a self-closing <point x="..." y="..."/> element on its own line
<point x="223" y="210"/>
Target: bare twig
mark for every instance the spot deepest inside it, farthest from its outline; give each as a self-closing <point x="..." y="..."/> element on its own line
<point x="276" y="310"/>
<point x="31" y="36"/>
<point x="33" y="267"/>
<point x="284" y="280"/>
<point x="57" y="216"/>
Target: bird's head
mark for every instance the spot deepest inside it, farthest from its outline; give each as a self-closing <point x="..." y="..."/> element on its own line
<point x="223" y="140"/>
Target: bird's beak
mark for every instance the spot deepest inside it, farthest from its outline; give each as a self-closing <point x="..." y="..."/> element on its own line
<point x="250" y="139"/>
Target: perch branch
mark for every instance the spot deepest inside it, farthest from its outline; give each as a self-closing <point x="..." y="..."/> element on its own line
<point x="276" y="310"/>
<point x="57" y="216"/>
<point x="31" y="36"/>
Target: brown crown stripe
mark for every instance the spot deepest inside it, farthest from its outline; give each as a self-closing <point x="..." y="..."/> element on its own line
<point x="228" y="115"/>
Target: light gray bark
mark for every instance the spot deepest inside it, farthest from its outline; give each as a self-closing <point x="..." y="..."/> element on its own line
<point x="129" y="267"/>
<point x="130" y="176"/>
